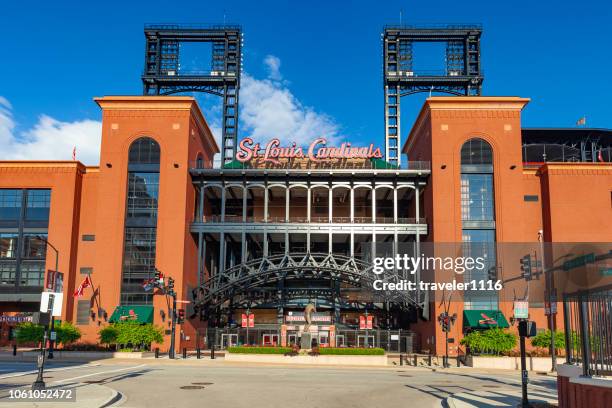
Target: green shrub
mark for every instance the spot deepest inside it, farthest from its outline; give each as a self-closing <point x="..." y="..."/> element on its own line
<point x="108" y="335"/>
<point x="544" y="339"/>
<point x="491" y="341"/>
<point x="258" y="350"/>
<point x="132" y="335"/>
<point x="33" y="333"/>
<point x="351" y="351"/>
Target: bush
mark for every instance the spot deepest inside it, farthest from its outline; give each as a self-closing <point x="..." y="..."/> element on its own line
<point x="108" y="335"/>
<point x="258" y="350"/>
<point x="543" y="340"/>
<point x="351" y="351"/>
<point x="491" y="341"/>
<point x="132" y="335"/>
<point x="33" y="333"/>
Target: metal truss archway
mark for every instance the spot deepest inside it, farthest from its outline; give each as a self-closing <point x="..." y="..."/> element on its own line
<point x="235" y="287"/>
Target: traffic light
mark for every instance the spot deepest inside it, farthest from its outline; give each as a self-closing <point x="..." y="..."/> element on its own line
<point x="492" y="273"/>
<point x="526" y="268"/>
<point x="181" y="316"/>
<point x="158" y="279"/>
<point x="170" y="284"/>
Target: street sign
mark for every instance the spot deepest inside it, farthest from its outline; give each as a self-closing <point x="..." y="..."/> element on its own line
<point x="365" y="322"/>
<point x="579" y="261"/>
<point x="521" y="309"/>
<point x="248" y="321"/>
<point x="50" y="281"/>
<point x="51" y="302"/>
<point x="53" y="336"/>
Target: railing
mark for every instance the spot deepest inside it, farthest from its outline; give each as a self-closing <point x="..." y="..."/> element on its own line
<point x="170" y="26"/>
<point x="335" y="164"/>
<point x="313" y="220"/>
<point x="588" y="330"/>
<point x="433" y="26"/>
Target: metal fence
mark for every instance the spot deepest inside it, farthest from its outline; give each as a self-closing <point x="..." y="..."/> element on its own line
<point x="588" y="330"/>
<point x="400" y="341"/>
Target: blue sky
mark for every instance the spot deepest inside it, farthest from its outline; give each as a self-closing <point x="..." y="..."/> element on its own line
<point x="322" y="57"/>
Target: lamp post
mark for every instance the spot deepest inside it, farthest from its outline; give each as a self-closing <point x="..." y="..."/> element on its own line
<point x="52" y="334"/>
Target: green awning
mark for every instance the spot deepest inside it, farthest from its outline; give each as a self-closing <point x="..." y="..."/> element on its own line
<point x="484" y="319"/>
<point x="142" y="314"/>
<point x="381" y="164"/>
<point x="235" y="164"/>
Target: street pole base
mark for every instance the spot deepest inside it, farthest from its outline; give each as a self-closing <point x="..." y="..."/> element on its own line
<point x="50" y="356"/>
<point x="38" y="385"/>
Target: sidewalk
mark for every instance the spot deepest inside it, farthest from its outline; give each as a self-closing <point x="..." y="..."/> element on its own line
<point x="503" y="397"/>
<point x="87" y="396"/>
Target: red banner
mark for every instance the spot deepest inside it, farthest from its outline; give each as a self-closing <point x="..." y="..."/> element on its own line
<point x="248" y="321"/>
<point x="365" y="322"/>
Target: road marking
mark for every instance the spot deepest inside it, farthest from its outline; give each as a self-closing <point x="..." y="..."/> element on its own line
<point x="47" y="371"/>
<point x="101" y="372"/>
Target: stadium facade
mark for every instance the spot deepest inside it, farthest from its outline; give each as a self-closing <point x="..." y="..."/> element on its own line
<point x="271" y="233"/>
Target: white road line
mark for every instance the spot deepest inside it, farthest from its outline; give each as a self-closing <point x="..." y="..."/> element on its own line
<point x="101" y="372"/>
<point x="47" y="370"/>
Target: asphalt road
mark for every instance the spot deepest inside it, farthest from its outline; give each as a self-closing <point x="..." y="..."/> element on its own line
<point x="151" y="383"/>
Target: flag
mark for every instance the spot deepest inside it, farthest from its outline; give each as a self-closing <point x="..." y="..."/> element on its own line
<point x="74" y="153"/>
<point x="581" y="121"/>
<point x="600" y="156"/>
<point x="85" y="284"/>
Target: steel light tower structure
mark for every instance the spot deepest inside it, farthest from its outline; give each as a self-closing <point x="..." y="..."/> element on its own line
<point x="461" y="76"/>
<point x="163" y="74"/>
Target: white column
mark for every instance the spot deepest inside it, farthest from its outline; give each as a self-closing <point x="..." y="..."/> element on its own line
<point x="287" y="201"/>
<point x="223" y="203"/>
<point x="245" y="193"/>
<point x="373" y="205"/>
<point x="352" y="204"/>
<point x="330" y="203"/>
<point x="417" y="210"/>
<point x="308" y="201"/>
<point x="395" y="205"/>
<point x="266" y="203"/>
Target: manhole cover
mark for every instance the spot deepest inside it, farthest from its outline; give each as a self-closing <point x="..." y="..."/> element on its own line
<point x="202" y="383"/>
<point x="191" y="387"/>
<point x="93" y="382"/>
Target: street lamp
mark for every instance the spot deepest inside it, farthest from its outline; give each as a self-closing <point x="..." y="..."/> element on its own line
<point x="51" y="341"/>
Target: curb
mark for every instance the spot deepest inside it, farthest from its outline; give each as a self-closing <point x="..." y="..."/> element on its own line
<point x="116" y="397"/>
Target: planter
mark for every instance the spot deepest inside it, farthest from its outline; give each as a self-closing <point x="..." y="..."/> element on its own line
<point x="510" y="363"/>
<point x="308" y="360"/>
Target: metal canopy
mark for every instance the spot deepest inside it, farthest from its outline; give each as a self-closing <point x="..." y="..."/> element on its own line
<point x="233" y="286"/>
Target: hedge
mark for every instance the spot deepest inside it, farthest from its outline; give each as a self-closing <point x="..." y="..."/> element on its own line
<point x="351" y="351"/>
<point x="491" y="341"/>
<point x="132" y="335"/>
<point x="258" y="350"/>
<point x="33" y="333"/>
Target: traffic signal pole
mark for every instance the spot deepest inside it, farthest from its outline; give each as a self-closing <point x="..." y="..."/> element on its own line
<point x="173" y="331"/>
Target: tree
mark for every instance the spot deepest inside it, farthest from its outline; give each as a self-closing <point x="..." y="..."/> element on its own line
<point x="131" y="334"/>
<point x="543" y="339"/>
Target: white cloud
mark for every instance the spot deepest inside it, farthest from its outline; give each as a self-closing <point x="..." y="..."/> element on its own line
<point x="49" y="139"/>
<point x="273" y="64"/>
<point x="268" y="109"/>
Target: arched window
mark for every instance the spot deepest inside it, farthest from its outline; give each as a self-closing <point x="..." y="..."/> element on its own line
<point x="199" y="161"/>
<point x="144" y="151"/>
<point x="140" y="233"/>
<point x="478" y="217"/>
<point x="476" y="152"/>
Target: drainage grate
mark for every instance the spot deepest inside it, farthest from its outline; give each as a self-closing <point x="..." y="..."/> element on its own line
<point x="191" y="387"/>
<point x="202" y="383"/>
<point x="93" y="382"/>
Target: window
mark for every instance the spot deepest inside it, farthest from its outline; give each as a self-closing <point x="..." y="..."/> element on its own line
<point x="8" y="245"/>
<point x="476" y="152"/>
<point x="142" y="194"/>
<point x="34" y="247"/>
<point x="86" y="270"/>
<point x="32" y="273"/>
<point x="10" y="204"/>
<point x="88" y="237"/>
<point x="144" y="151"/>
<point x="83" y="308"/>
<point x="477" y="197"/>
<point x="531" y="198"/>
<point x="38" y="203"/>
<point x="478" y="215"/>
<point x="8" y="272"/>
<point x="141" y="220"/>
